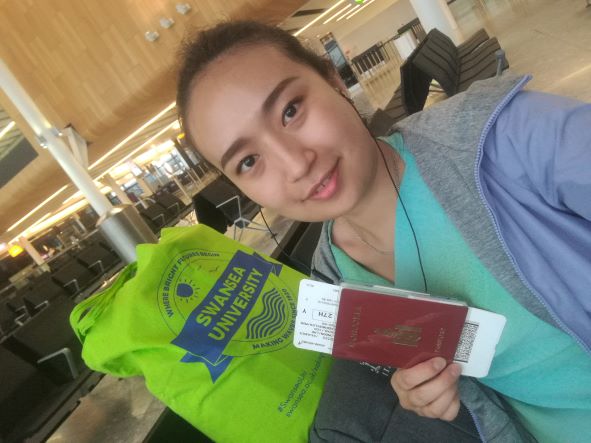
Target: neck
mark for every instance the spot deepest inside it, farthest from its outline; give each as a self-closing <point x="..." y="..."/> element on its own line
<point x="377" y="208"/>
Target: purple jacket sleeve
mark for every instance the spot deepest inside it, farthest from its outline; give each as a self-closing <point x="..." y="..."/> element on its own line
<point x="550" y="140"/>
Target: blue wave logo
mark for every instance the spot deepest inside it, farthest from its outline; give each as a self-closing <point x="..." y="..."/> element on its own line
<point x="211" y="325"/>
<point x="271" y="320"/>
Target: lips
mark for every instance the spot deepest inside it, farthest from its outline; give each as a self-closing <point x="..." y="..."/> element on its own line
<point x="327" y="187"/>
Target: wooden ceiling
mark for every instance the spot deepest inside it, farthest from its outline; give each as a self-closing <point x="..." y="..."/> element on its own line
<point x="87" y="63"/>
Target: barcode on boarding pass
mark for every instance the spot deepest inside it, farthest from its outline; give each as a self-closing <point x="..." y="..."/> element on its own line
<point x="466" y="342"/>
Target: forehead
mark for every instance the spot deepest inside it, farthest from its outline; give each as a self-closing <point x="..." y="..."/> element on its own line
<point x="231" y="90"/>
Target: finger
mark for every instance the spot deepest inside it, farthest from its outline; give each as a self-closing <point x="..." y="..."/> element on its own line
<point x="443" y="406"/>
<point x="453" y="409"/>
<point x="410" y="378"/>
<point x="429" y="391"/>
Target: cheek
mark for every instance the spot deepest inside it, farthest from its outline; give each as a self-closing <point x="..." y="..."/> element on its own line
<point x="339" y="125"/>
<point x="269" y="192"/>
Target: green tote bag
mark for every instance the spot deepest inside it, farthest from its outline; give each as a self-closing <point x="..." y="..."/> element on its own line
<point x="208" y="323"/>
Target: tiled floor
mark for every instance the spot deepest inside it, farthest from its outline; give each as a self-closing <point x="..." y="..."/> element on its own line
<point x="550" y="39"/>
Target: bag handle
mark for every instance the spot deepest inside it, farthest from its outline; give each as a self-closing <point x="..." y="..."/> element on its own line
<point x="85" y="313"/>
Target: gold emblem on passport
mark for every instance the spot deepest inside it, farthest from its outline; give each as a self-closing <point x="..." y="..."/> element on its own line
<point x="402" y="334"/>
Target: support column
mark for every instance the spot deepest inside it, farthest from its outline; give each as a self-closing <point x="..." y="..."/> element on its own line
<point x="124" y="236"/>
<point x="27" y="246"/>
<point x="49" y="138"/>
<point x="76" y="218"/>
<point x="145" y="186"/>
<point x="436" y="14"/>
<point x="181" y="187"/>
<point x="109" y="181"/>
<point x="156" y="174"/>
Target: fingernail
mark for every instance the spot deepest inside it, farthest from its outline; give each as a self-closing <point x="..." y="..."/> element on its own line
<point x="439" y="364"/>
<point x="455" y="370"/>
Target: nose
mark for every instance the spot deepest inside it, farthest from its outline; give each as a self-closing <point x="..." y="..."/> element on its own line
<point x="294" y="158"/>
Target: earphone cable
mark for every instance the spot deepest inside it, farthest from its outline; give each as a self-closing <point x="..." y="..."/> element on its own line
<point x="350" y="101"/>
<point x="405" y="213"/>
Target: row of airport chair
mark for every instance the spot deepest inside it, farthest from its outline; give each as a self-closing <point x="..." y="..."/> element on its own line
<point x="42" y="371"/>
<point x="43" y="375"/>
<point x="81" y="272"/>
<point x="85" y="267"/>
<point x="437" y="58"/>
<point x="456" y="68"/>
<point x="298" y="252"/>
<point x="221" y="205"/>
<point x="164" y="210"/>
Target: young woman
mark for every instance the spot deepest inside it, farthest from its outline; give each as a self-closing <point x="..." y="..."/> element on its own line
<point x="484" y="197"/>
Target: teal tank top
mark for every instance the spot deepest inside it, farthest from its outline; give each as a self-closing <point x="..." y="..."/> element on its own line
<point x="539" y="369"/>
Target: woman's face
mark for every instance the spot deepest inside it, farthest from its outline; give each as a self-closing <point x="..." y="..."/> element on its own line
<point x="282" y="134"/>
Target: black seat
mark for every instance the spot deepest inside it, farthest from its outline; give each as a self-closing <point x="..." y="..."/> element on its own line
<point x="9" y="320"/>
<point x="97" y="258"/>
<point x="439" y="60"/>
<point x="16" y="302"/>
<point x="380" y="123"/>
<point x="32" y="405"/>
<point x="475" y="40"/>
<point x="40" y="292"/>
<point x="59" y="260"/>
<point x="485" y="64"/>
<point x="237" y="207"/>
<point x="303" y="251"/>
<point x="156" y="216"/>
<point x="48" y="338"/>
<point x="23" y="392"/>
<point x="73" y="276"/>
<point x="456" y="68"/>
<point x="409" y="97"/>
<point x="207" y="214"/>
<point x="171" y="427"/>
<point x="297" y="253"/>
<point x="414" y="85"/>
<point x="170" y="202"/>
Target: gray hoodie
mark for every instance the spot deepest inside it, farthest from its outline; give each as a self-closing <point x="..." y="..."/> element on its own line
<point x="358" y="404"/>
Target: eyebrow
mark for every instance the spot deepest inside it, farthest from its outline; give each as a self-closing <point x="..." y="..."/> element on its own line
<point x="266" y="108"/>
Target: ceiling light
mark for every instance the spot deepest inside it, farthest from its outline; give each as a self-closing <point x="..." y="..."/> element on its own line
<point x="36" y="208"/>
<point x="166" y="22"/>
<point x="333" y="16"/>
<point x="345" y="14"/>
<point x="151" y="36"/>
<point x="132" y="153"/>
<point x="38" y="221"/>
<point x="7" y="128"/>
<point x="38" y="227"/>
<point x="318" y="18"/>
<point x="183" y="8"/>
<point x="77" y="194"/>
<point x="360" y="9"/>
<point x="133" y="134"/>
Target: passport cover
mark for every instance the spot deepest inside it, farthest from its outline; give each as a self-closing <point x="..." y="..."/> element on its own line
<point x="395" y="330"/>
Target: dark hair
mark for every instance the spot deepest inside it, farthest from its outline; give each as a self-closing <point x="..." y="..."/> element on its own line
<point x="202" y="48"/>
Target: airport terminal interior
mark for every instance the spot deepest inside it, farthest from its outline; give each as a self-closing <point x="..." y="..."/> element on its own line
<point x="88" y="124"/>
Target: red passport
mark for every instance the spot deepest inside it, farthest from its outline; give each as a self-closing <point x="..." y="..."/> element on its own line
<point x="398" y="331"/>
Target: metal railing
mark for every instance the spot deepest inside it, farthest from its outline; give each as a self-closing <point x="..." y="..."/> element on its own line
<point x="378" y="71"/>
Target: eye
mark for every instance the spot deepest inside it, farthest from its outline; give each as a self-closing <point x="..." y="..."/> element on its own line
<point x="246" y="164"/>
<point x="290" y="111"/>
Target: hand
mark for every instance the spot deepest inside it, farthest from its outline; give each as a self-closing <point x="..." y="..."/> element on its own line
<point x="429" y="389"/>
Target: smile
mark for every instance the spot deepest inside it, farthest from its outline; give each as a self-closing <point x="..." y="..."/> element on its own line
<point x="327" y="186"/>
